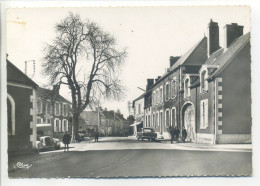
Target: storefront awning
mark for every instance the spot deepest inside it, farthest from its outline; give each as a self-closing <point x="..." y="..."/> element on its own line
<point x="135" y="124"/>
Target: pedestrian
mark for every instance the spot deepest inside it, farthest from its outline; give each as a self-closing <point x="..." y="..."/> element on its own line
<point x="177" y="134"/>
<point x="96" y="135"/>
<point x="184" y="134"/>
<point x="170" y="130"/>
<point x="66" y="141"/>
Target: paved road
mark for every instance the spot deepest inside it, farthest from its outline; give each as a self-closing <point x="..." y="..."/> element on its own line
<point x="137" y="162"/>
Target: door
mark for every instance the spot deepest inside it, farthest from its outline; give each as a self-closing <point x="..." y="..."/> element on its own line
<point x="189" y="123"/>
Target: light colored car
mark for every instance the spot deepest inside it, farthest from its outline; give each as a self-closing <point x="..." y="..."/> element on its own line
<point x="46" y="142"/>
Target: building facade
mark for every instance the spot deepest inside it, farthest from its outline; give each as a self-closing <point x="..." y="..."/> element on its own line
<point x="21" y="107"/>
<point x="207" y="91"/>
<point x="110" y="123"/>
<point x="54" y="109"/>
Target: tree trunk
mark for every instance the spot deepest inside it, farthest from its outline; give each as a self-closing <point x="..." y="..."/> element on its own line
<point x="75" y="126"/>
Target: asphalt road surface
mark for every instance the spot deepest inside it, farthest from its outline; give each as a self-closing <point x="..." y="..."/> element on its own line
<point x="138" y="163"/>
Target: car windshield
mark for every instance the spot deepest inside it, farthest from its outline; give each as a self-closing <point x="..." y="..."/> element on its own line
<point x="147" y="130"/>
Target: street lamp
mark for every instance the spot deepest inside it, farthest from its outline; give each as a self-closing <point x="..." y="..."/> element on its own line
<point x="179" y="105"/>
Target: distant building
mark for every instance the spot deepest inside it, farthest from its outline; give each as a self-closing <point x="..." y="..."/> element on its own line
<point x="54" y="109"/>
<point x="21" y="111"/>
<point x="138" y="106"/>
<point x="207" y="91"/>
<point x="110" y="124"/>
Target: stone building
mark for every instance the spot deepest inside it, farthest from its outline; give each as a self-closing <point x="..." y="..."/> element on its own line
<point x="53" y="109"/>
<point x="207" y="90"/>
<point x="21" y="107"/>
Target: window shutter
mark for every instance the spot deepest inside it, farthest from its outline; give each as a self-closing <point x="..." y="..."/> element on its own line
<point x="206" y="85"/>
<point x="60" y="126"/>
<point x="206" y="113"/>
<point x="201" y="114"/>
<point x="55" y="129"/>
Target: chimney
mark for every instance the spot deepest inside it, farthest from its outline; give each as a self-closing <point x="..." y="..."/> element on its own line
<point x="56" y="89"/>
<point x="157" y="78"/>
<point x="231" y="33"/>
<point x="213" y="37"/>
<point x="150" y="83"/>
<point x="173" y="60"/>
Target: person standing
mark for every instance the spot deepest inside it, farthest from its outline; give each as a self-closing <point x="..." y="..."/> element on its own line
<point x="170" y="129"/>
<point x="96" y="135"/>
<point x="184" y="134"/>
<point x="177" y="134"/>
<point x="66" y="141"/>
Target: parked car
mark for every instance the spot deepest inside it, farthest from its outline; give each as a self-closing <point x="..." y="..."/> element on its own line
<point x="46" y="142"/>
<point x="81" y="137"/>
<point x="146" y="133"/>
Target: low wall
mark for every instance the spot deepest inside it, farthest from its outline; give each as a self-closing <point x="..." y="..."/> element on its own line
<point x="234" y="138"/>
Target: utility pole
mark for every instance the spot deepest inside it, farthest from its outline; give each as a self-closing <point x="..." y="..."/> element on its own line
<point x="25" y="66"/>
<point x="98" y="115"/>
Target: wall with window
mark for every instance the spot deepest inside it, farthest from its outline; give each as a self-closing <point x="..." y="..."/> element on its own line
<point x="20" y="127"/>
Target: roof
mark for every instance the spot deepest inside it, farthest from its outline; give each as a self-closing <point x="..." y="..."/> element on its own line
<point x="109" y="114"/>
<point x="50" y="94"/>
<point x="139" y="97"/>
<point x="90" y="117"/>
<point x="225" y="58"/>
<point x="222" y="58"/>
<point x="190" y="53"/>
<point x="198" y="52"/>
<point x="17" y="76"/>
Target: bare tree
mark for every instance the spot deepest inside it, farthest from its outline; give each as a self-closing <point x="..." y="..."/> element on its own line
<point x="86" y="59"/>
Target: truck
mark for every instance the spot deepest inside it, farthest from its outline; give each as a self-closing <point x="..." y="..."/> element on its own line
<point x="146" y="133"/>
<point x="45" y="139"/>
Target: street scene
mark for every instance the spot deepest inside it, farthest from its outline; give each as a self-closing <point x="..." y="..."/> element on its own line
<point x="122" y="93"/>
<point x="127" y="157"/>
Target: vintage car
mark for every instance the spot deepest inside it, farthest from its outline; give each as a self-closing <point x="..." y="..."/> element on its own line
<point x="146" y="133"/>
<point x="45" y="139"/>
<point x="46" y="142"/>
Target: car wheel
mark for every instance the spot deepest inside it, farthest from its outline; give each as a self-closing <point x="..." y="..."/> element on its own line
<point x="142" y="139"/>
<point x="137" y="139"/>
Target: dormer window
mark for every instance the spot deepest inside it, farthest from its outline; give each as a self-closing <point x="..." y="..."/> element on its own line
<point x="203" y="81"/>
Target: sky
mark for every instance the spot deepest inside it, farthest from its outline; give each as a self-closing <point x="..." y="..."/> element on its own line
<point x="150" y="34"/>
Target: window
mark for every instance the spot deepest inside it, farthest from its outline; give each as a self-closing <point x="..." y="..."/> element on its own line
<point x="167" y="118"/>
<point x="161" y="94"/>
<point x="65" y="126"/>
<point x="139" y="109"/>
<point x="153" y="120"/>
<point x="173" y="117"/>
<point x="186" y="88"/>
<point x="173" y="88"/>
<point x="203" y="81"/>
<point x="65" y="109"/>
<point x="204" y="114"/>
<point x="167" y="91"/>
<point x="10" y="115"/>
<point x="48" y="107"/>
<point x="149" y="120"/>
<point x="38" y="120"/>
<point x="161" y="118"/>
<point x="57" y="109"/>
<point x="157" y="119"/>
<point x="39" y="106"/>
<point x="56" y="125"/>
<point x="146" y="121"/>
<point x="48" y="120"/>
